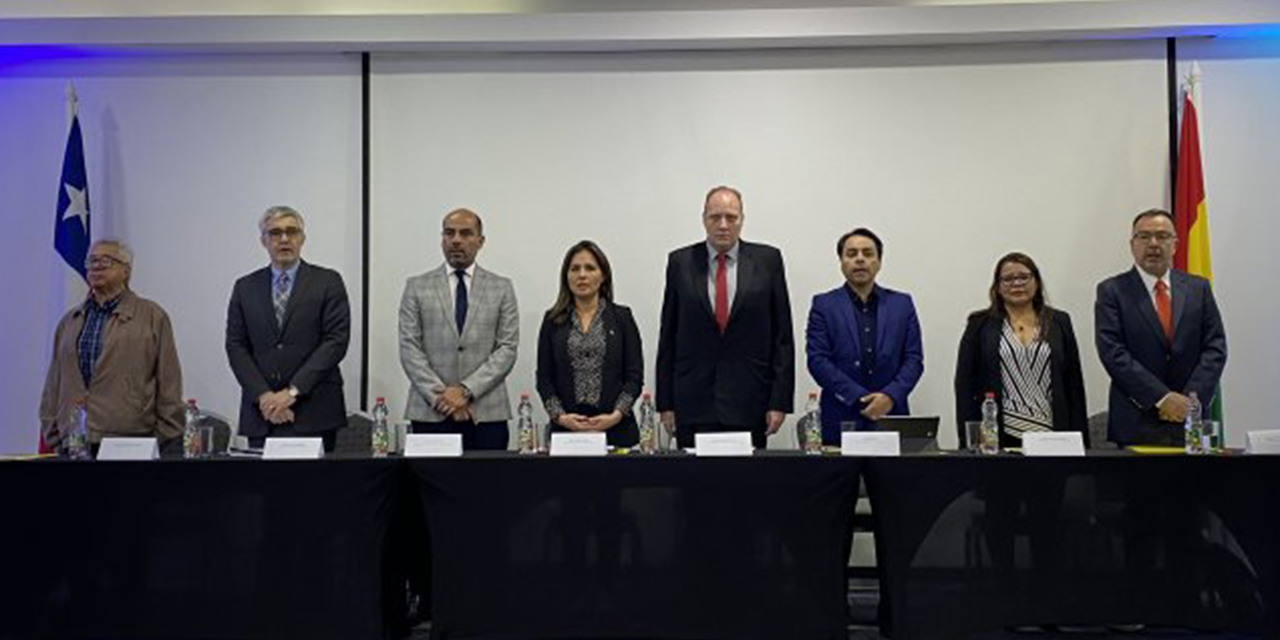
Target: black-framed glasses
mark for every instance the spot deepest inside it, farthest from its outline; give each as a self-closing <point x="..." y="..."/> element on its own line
<point x="1163" y="237"/>
<point x="287" y="232"/>
<point x="1016" y="278"/>
<point x="94" y="262"/>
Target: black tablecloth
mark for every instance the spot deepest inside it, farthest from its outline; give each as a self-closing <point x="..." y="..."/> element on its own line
<point x="211" y="549"/>
<point x="656" y="547"/>
<point x="969" y="543"/>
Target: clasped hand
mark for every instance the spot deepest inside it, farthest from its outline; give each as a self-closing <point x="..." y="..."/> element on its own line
<point x="579" y="422"/>
<point x="277" y="406"/>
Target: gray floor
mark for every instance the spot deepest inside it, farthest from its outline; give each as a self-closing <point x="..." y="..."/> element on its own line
<point x="864" y="597"/>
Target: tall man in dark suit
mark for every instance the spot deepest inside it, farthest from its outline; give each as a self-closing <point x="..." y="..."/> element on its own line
<point x="726" y="355"/>
<point x="1160" y="337"/>
<point x="863" y="342"/>
<point x="288" y="326"/>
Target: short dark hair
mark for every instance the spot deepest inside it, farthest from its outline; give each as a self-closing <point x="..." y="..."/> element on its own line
<point x="864" y="232"/>
<point x="1153" y="213"/>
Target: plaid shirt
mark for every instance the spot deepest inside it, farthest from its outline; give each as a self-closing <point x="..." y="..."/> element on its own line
<point x="91" y="337"/>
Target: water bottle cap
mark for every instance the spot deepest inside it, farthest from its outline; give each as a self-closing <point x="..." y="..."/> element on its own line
<point x="813" y="394"/>
<point x="381" y="400"/>
<point x="646" y="395"/>
<point x="191" y="401"/>
<point x="991" y="394"/>
<point x="524" y="395"/>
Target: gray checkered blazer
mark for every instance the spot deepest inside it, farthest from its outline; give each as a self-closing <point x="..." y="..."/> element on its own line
<point x="434" y="355"/>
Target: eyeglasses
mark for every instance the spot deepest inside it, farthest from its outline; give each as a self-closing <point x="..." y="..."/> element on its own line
<point x="94" y="262"/>
<point x="287" y="232"/>
<point x="1162" y="237"/>
<point x="1016" y="278"/>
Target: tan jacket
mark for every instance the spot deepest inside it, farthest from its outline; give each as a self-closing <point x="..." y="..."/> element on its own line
<point x="137" y="384"/>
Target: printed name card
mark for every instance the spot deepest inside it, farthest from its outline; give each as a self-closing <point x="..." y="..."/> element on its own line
<point x="1265" y="443"/>
<point x="128" y="449"/>
<point x="579" y="444"/>
<point x="1052" y="444"/>
<point x="728" y="444"/>
<point x="293" y="449"/>
<point x="433" y="445"/>
<point x="871" y="443"/>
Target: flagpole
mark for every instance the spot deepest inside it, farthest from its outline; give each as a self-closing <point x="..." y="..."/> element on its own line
<point x="73" y="103"/>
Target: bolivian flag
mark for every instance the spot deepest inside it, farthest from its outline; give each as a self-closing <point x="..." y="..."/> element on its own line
<point x="1189" y="212"/>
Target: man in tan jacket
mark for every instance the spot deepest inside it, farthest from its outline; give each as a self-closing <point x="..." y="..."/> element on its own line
<point x="116" y="353"/>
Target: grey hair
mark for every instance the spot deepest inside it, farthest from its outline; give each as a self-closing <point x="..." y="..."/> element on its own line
<point x="280" y="211"/>
<point x="122" y="249"/>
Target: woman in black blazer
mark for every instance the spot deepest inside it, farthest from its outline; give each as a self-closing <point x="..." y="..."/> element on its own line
<point x="1025" y="352"/>
<point x="590" y="364"/>
<point x="1015" y="339"/>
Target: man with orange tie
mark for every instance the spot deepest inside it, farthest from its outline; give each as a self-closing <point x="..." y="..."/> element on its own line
<point x="1160" y="337"/>
<point x="726" y="354"/>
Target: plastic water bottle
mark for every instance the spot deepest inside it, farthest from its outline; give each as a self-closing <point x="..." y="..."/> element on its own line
<point x="76" y="443"/>
<point x="380" y="433"/>
<point x="810" y="427"/>
<point x="990" y="425"/>
<point x="1193" y="426"/>
<point x="525" y="431"/>
<point x="648" y="425"/>
<point x="191" y="439"/>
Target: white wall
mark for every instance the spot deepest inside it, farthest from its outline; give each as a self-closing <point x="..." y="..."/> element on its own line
<point x="1240" y="135"/>
<point x="183" y="154"/>
<point x="954" y="155"/>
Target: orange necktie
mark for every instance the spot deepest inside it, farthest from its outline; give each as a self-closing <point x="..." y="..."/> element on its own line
<point x="1163" y="310"/>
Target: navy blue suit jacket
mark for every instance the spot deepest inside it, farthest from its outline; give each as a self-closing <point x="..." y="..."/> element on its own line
<point x="1143" y="365"/>
<point x="834" y="349"/>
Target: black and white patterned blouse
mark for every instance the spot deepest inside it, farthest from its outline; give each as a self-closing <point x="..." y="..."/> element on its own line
<point x="1027" y="377"/>
<point x="586" y="356"/>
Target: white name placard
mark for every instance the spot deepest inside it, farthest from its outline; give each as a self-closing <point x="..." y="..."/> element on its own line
<point x="871" y="443"/>
<point x="1052" y="444"/>
<point x="128" y="449"/>
<point x="433" y="445"/>
<point x="293" y="449"/>
<point x="727" y="444"/>
<point x="572" y="443"/>
<point x="1263" y="443"/>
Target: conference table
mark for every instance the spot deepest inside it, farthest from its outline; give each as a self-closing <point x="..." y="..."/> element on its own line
<point x="666" y="546"/>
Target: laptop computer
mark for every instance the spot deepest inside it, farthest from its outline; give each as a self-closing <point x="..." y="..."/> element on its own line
<point x="919" y="433"/>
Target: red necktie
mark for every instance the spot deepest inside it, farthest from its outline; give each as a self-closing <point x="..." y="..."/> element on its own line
<point x="722" y="293"/>
<point x="1163" y="310"/>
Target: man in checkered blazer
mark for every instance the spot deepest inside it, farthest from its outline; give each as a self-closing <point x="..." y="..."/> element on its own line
<point x="459" y="329"/>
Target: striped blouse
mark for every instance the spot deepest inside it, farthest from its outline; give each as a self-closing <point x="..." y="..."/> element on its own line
<point x="1027" y="379"/>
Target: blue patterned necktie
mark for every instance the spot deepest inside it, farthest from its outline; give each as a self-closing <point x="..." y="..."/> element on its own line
<point x="281" y="298"/>
<point x="460" y="300"/>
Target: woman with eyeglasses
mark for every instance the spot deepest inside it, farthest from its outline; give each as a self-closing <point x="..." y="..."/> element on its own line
<point x="1025" y="352"/>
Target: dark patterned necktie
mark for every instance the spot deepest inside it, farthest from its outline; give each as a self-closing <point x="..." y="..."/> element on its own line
<point x="460" y="300"/>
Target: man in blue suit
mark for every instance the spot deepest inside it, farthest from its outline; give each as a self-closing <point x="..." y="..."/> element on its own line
<point x="863" y="342"/>
<point x="1159" y="336"/>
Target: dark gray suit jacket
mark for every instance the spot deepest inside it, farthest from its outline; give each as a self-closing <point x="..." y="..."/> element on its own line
<point x="730" y="379"/>
<point x="1143" y="365"/>
<point x="304" y="351"/>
